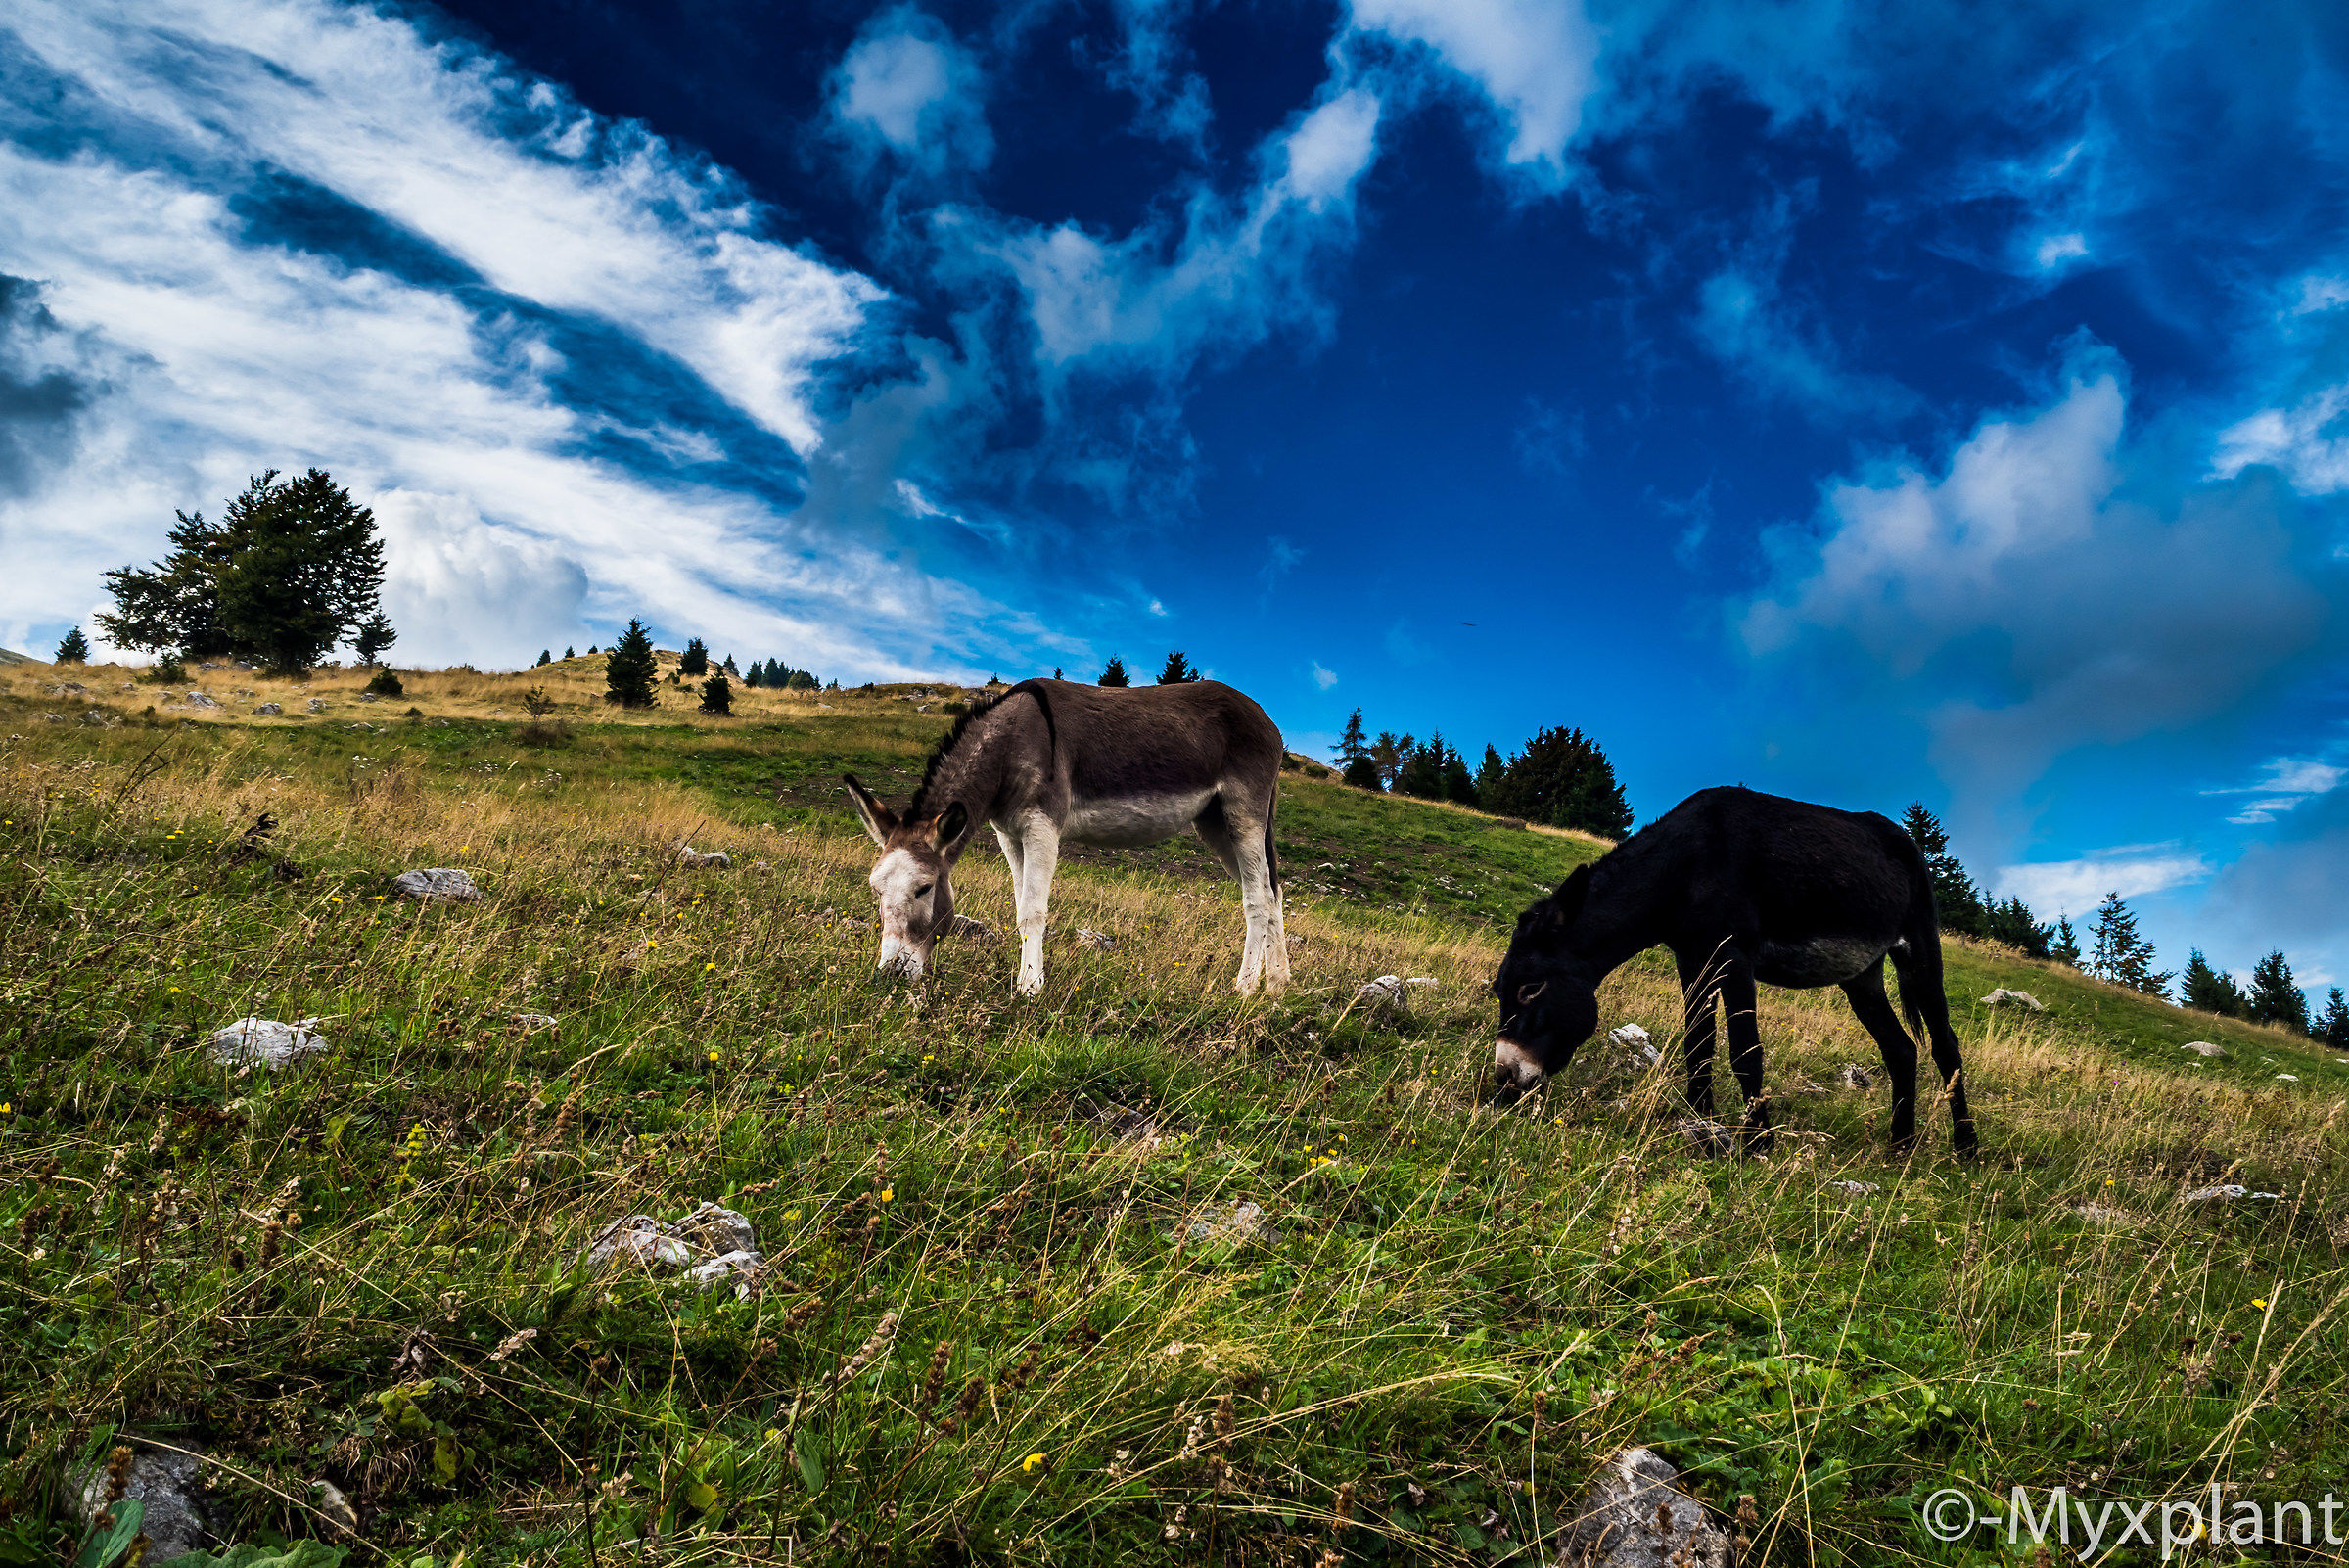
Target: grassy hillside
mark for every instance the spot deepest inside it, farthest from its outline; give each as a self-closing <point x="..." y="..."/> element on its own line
<point x="1006" y="1315"/>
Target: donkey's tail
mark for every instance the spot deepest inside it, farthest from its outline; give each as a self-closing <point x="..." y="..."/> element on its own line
<point x="1921" y="966"/>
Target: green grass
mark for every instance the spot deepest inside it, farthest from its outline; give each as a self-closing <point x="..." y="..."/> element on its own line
<point x="1453" y="1315"/>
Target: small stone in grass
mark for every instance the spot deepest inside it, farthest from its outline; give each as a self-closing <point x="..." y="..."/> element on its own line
<point x="439" y="882"/>
<point x="266" y="1042"/>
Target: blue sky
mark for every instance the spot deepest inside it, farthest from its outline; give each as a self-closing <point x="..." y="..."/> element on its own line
<point x="1866" y="402"/>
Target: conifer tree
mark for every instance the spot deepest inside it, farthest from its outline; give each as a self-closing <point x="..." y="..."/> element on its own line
<point x="568" y="654"/>
<point x="2208" y="990"/>
<point x="1115" y="675"/>
<point x="1352" y="743"/>
<point x="2065" y="944"/>
<point x="373" y="638"/>
<point x="717" y="697"/>
<point x="1177" y="670"/>
<point x="1488" y="774"/>
<point x="756" y="674"/>
<point x="695" y="660"/>
<point x="2275" y="998"/>
<point x="729" y="666"/>
<point x="2120" y="954"/>
<point x="1955" y="900"/>
<point x="805" y="681"/>
<point x="2334" y="1029"/>
<point x="1362" y="775"/>
<point x="629" y="670"/>
<point x="546" y="655"/>
<point x="73" y="648"/>
<point x="1562" y="778"/>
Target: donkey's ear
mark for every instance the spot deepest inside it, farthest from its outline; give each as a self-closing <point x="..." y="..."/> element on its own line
<point x="1567" y="901"/>
<point x="950" y="826"/>
<point x="879" y="820"/>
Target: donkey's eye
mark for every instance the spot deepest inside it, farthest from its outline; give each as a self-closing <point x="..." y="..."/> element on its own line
<point x="1526" y="993"/>
<point x="923" y="892"/>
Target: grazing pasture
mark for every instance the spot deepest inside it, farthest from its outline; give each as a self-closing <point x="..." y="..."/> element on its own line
<point x="1136" y="1270"/>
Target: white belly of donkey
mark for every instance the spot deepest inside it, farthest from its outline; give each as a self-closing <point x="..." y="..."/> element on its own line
<point x="1135" y="821"/>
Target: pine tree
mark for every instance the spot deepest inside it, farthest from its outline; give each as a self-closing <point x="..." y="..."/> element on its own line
<point x="1362" y="775"/>
<point x="72" y="648"/>
<point x="757" y="676"/>
<point x="2120" y="954"/>
<point x="717" y="697"/>
<point x="1488" y="774"/>
<point x="301" y="568"/>
<point x="2275" y="998"/>
<point x="628" y="671"/>
<point x="1563" y="778"/>
<point x="174" y="606"/>
<point x="568" y="654"/>
<point x="695" y="660"/>
<point x="1390" y="752"/>
<point x="373" y="638"/>
<point x="729" y="666"/>
<point x="1115" y="675"/>
<point x="2065" y="945"/>
<point x="546" y="655"/>
<point x="2208" y="990"/>
<point x="1177" y="670"/>
<point x="1353" y="743"/>
<point x="1457" y="785"/>
<point x="2012" y="923"/>
<point x="2333" y="1029"/>
<point x="805" y="681"/>
<point x="1955" y="900"/>
<point x="1420" y="771"/>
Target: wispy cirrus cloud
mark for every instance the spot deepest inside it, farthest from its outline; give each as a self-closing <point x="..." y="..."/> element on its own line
<point x="577" y="370"/>
<point x="2077" y="885"/>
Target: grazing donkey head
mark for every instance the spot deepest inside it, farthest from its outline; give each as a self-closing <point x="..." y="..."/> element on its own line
<point x="1548" y="992"/>
<point x="913" y="878"/>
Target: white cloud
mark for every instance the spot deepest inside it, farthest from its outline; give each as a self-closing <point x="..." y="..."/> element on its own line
<point x="908" y="86"/>
<point x="1324" y="678"/>
<point x="1233" y="275"/>
<point x="210" y="351"/>
<point x="2054" y="250"/>
<point x="2077" y="887"/>
<point x="1536" y="60"/>
<point x="503" y="173"/>
<point x="2308" y="442"/>
<point x="2288" y="781"/>
<point x="2032" y="603"/>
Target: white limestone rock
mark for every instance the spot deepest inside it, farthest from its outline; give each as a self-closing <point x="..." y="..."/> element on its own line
<point x="439" y="882"/>
<point x="266" y="1042"/>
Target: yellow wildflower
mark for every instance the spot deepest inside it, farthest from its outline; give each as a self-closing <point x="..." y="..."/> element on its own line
<point x="1031" y="1462"/>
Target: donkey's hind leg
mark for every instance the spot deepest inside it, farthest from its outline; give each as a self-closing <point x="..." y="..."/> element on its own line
<point x="1875" y="1011"/>
<point x="1242" y="852"/>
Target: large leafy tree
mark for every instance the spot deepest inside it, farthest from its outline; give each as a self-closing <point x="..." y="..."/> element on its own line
<point x="2276" y="997"/>
<point x="294" y="566"/>
<point x="628" y="669"/>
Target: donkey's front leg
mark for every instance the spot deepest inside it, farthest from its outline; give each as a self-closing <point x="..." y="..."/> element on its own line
<point x="1039" y="855"/>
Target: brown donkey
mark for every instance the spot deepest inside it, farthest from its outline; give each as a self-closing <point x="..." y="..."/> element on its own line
<point x="1051" y="762"/>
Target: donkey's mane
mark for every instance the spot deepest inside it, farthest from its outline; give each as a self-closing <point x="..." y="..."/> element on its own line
<point x="920" y="808"/>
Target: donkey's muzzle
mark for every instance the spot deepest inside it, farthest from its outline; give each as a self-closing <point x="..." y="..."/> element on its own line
<point x="1515" y="1072"/>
